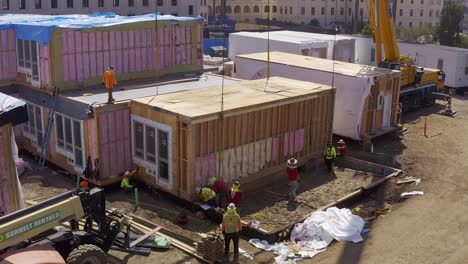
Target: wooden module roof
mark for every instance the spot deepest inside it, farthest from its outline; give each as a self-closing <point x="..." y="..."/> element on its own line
<point x="338" y="67"/>
<point x="238" y="97"/>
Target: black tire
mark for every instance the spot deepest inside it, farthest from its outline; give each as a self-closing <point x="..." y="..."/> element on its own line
<point x="87" y="254"/>
<point x="417" y="100"/>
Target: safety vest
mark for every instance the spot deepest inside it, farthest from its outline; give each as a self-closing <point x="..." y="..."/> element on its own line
<point x="330" y="152"/>
<point x="231" y="221"/>
<point x="207" y="194"/>
<point x="109" y="79"/>
<point x="125" y="183"/>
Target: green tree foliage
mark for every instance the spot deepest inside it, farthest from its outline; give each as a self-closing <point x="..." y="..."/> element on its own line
<point x="423" y="34"/>
<point x="450" y="23"/>
<point x="366" y="30"/>
<point x="314" y="22"/>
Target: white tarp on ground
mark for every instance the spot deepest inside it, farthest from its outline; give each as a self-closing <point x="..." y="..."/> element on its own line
<point x="350" y="97"/>
<point x="315" y="234"/>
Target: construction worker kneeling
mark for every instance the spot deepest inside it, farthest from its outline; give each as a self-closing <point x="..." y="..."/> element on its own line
<point x="231" y="227"/>
<point x="125" y="183"/>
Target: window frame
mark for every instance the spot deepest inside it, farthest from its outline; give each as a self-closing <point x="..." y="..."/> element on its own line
<point x="5" y="4"/>
<point x="29" y="70"/>
<point x="150" y="165"/>
<point x="85" y="4"/>
<point x="63" y="150"/>
<point x="34" y="136"/>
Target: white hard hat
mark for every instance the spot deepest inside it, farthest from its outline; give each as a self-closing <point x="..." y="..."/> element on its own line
<point x="232" y="206"/>
<point x="127" y="172"/>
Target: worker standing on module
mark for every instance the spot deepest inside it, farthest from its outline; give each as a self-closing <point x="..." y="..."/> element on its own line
<point x="109" y="81"/>
<point x="329" y="155"/>
<point x="231" y="227"/>
<point x="293" y="177"/>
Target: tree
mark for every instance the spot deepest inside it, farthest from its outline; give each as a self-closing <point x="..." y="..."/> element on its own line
<point x="314" y="22"/>
<point x="450" y="24"/>
<point x="366" y="30"/>
<point x="421" y="34"/>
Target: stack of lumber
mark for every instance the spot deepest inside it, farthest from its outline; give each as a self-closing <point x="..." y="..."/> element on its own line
<point x="211" y="248"/>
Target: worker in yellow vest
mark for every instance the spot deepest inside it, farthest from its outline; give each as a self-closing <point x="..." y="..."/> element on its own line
<point x="231" y="227"/>
<point x="329" y="155"/>
<point x="109" y="81"/>
<point x="207" y="195"/>
<point x="125" y="183"/>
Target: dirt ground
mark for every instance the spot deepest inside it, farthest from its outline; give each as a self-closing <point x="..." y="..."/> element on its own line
<point x="424" y="229"/>
<point x="273" y="210"/>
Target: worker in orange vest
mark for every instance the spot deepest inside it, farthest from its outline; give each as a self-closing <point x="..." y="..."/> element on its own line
<point x="109" y="81"/>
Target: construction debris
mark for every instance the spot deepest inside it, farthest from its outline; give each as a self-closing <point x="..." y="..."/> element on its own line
<point x="315" y="234"/>
<point x="409" y="179"/>
<point x="413" y="193"/>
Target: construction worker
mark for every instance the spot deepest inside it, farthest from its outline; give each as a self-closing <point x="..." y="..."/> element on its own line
<point x="221" y="189"/>
<point x="400" y="112"/>
<point x="448" y="106"/>
<point x="109" y="81"/>
<point x="231" y="226"/>
<point x="125" y="184"/>
<point x="207" y="195"/>
<point x="329" y="155"/>
<point x="293" y="177"/>
<point x="235" y="195"/>
<point x="342" y="148"/>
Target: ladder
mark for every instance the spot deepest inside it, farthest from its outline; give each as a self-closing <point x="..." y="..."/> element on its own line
<point x="50" y="123"/>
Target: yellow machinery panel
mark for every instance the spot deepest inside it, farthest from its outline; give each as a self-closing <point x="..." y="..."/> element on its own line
<point x="31" y="225"/>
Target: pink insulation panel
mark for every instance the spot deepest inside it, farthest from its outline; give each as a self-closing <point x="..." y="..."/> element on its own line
<point x="44" y="65"/>
<point x="86" y="55"/>
<point x="8" y="66"/>
<point x="205" y="168"/>
<point x="114" y="145"/>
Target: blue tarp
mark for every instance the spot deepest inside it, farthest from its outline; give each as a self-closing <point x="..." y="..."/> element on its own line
<point x="208" y="43"/>
<point x="40" y="28"/>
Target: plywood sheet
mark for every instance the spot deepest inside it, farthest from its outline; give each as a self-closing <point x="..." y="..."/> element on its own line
<point x="236" y="97"/>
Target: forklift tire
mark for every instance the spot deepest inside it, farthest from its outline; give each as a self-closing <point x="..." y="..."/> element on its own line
<point x="87" y="254"/>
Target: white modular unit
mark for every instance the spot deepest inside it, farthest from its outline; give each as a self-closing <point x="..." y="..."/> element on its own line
<point x="366" y="100"/>
<point x="300" y="43"/>
<point x="454" y="61"/>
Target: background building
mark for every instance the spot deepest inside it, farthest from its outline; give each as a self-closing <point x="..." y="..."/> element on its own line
<point x="121" y="7"/>
<point x="408" y="13"/>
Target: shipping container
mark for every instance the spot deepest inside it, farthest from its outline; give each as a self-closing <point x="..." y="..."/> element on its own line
<point x="243" y="131"/>
<point x="73" y="51"/>
<point x="301" y="43"/>
<point x="367" y="97"/>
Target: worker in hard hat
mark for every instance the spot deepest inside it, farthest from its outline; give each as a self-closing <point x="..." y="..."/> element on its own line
<point x="342" y="148"/>
<point x="231" y="226"/>
<point x="329" y="155"/>
<point x="221" y="189"/>
<point x="84" y="184"/>
<point x="235" y="194"/>
<point x="293" y="178"/>
<point x="207" y="195"/>
<point x="125" y="183"/>
<point x="109" y="81"/>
